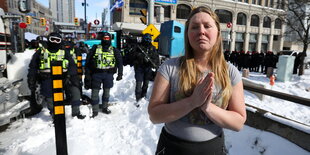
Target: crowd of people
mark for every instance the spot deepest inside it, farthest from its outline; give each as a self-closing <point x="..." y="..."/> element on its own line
<point x="258" y="61"/>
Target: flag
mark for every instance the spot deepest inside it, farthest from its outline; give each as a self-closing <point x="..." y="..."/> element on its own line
<point x="117" y="4"/>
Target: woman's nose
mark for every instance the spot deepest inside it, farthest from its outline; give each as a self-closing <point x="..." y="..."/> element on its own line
<point x="202" y="30"/>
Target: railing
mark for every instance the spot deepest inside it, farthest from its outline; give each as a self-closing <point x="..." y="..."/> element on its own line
<point x="296" y="132"/>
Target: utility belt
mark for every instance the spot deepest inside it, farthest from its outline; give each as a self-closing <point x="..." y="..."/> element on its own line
<point x="45" y="74"/>
<point x="110" y="70"/>
<point x="49" y="70"/>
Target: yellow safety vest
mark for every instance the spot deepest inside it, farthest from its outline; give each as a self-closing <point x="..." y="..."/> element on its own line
<point x="47" y="57"/>
<point x="104" y="59"/>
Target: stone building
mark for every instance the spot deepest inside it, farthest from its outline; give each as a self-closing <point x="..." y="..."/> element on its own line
<point x="37" y="11"/>
<point x="255" y="25"/>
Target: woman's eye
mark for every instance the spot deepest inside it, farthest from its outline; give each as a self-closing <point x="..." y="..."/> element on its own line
<point x="208" y="26"/>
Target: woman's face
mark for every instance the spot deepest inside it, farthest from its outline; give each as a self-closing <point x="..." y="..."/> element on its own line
<point x="202" y="32"/>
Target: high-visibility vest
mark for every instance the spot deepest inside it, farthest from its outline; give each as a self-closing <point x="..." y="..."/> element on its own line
<point x="47" y="57"/>
<point x="74" y="57"/>
<point x="104" y="59"/>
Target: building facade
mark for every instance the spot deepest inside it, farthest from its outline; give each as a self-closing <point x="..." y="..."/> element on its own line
<point x="63" y="10"/>
<point x="255" y="25"/>
<point x="37" y="11"/>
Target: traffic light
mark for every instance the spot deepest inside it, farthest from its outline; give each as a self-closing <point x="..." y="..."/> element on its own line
<point x="42" y="21"/>
<point x="76" y="21"/>
<point x="28" y="19"/>
<point x="144" y="14"/>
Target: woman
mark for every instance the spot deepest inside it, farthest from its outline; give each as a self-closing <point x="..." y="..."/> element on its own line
<point x="199" y="94"/>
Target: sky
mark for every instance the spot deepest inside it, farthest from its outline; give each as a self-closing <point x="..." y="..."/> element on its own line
<point x="94" y="9"/>
<point x="128" y="130"/>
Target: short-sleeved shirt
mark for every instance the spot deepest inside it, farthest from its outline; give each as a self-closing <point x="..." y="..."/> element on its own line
<point x="195" y="126"/>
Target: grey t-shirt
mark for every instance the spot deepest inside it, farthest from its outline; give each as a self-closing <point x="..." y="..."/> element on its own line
<point x="195" y="126"/>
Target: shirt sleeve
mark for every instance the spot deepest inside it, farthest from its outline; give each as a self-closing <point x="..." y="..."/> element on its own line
<point x="167" y="69"/>
<point x="234" y="74"/>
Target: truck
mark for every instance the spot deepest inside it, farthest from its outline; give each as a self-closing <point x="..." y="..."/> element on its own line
<point x="171" y="39"/>
<point x="13" y="85"/>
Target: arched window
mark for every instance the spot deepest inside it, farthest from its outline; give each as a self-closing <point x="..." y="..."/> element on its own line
<point x="254" y="20"/>
<point x="241" y="19"/>
<point x="267" y="22"/>
<point x="136" y="5"/>
<point x="224" y="16"/>
<point x="183" y="11"/>
<point x="278" y="23"/>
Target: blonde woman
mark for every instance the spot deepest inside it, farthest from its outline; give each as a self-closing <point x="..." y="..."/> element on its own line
<point x="199" y="94"/>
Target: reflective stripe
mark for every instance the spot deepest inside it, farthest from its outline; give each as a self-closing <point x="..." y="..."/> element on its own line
<point x="74" y="57"/>
<point x="47" y="56"/>
<point x="104" y="59"/>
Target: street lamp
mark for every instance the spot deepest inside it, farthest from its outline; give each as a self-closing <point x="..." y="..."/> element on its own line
<point x="85" y="21"/>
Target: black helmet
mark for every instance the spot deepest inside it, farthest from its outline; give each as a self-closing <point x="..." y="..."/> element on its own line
<point x="54" y="41"/>
<point x="105" y="39"/>
<point x="147" y="38"/>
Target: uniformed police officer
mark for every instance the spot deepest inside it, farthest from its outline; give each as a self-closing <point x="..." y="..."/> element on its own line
<point x="101" y="64"/>
<point x="39" y="71"/>
<point x="144" y="59"/>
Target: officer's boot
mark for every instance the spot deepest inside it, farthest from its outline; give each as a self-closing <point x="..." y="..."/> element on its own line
<point x="95" y="109"/>
<point x="105" y="108"/>
<point x="105" y="100"/>
<point x="76" y="112"/>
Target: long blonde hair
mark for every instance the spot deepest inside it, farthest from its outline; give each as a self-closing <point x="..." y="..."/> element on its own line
<point x="189" y="73"/>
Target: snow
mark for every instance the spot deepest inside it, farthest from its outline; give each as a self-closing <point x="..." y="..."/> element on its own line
<point x="128" y="130"/>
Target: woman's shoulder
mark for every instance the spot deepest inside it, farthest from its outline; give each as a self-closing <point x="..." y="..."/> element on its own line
<point x="172" y="61"/>
<point x="234" y="74"/>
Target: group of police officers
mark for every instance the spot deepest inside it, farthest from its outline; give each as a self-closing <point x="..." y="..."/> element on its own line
<point x="102" y="62"/>
<point x="257" y="62"/>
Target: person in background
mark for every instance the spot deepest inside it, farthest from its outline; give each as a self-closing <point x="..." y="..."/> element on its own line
<point x="102" y="63"/>
<point x="39" y="71"/>
<point x="198" y="94"/>
<point x="145" y="59"/>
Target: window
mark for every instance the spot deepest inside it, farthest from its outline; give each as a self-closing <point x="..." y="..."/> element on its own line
<point x="224" y="35"/>
<point x="266" y="2"/>
<point x="239" y="36"/>
<point x="183" y="11"/>
<point x="253" y="37"/>
<point x="267" y="22"/>
<point x="224" y="16"/>
<point x="259" y="2"/>
<point x="271" y="3"/>
<point x="167" y="10"/>
<point x="278" y="23"/>
<point x="253" y="1"/>
<point x="252" y="46"/>
<point x="241" y="19"/>
<point x="254" y="20"/>
<point x="265" y="38"/>
<point x="177" y="29"/>
<point x="136" y="5"/>
<point x="275" y="37"/>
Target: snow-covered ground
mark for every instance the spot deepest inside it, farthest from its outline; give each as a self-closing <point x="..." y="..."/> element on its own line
<point x="128" y="130"/>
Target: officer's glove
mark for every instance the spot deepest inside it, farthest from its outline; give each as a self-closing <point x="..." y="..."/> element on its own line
<point x="87" y="82"/>
<point x="32" y="83"/>
<point x="119" y="77"/>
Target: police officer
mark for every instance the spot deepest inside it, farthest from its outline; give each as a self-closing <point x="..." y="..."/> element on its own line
<point x="39" y="71"/>
<point x="101" y="64"/>
<point x="145" y="60"/>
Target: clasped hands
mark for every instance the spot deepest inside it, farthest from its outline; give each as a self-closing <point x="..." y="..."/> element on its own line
<point x="202" y="94"/>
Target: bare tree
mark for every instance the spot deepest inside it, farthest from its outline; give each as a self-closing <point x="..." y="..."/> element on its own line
<point x="297" y="19"/>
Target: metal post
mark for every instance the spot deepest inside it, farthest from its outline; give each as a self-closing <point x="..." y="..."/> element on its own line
<point x="86" y="32"/>
<point x="59" y="108"/>
<point x="151" y="12"/>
